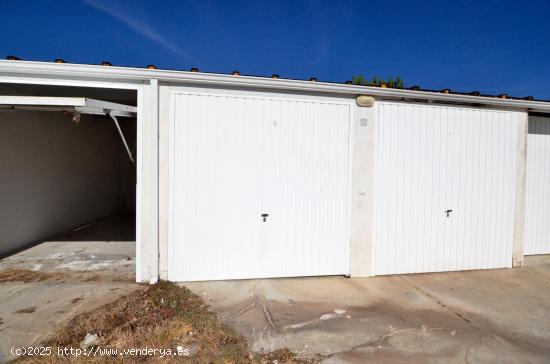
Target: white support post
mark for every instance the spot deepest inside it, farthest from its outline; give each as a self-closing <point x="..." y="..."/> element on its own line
<point x="154" y="171"/>
<point x="364" y="139"/>
<point x="164" y="184"/>
<point x="147" y="185"/>
<point x="521" y="186"/>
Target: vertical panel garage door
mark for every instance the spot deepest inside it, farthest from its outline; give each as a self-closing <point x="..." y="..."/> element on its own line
<point x="445" y="188"/>
<point x="537" y="213"/>
<point x="259" y="187"/>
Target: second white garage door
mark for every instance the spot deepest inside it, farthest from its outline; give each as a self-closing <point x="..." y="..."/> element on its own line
<point x="259" y="187"/>
<point x="537" y="209"/>
<point x="445" y="188"/>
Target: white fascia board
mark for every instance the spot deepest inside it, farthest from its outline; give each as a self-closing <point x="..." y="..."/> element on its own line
<point x="129" y="74"/>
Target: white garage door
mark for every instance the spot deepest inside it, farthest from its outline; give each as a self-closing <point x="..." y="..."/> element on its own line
<point x="537" y="212"/>
<point x="445" y="188"/>
<point x="259" y="187"/>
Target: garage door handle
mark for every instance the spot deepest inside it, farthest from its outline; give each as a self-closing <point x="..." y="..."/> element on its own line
<point x="264" y="216"/>
<point x="448" y="212"/>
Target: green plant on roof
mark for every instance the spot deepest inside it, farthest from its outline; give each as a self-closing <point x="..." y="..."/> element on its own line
<point x="392" y="82"/>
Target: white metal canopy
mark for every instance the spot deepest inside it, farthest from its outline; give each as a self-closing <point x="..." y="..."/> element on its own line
<point x="81" y="105"/>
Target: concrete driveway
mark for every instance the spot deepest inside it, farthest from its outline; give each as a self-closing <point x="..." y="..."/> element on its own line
<point x="44" y="287"/>
<point x="494" y="316"/>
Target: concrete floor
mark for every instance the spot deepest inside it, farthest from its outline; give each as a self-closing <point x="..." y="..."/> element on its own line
<point x="493" y="316"/>
<point x="105" y="246"/>
<point x="85" y="267"/>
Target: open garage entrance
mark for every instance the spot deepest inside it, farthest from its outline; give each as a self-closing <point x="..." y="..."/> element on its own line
<point x="68" y="181"/>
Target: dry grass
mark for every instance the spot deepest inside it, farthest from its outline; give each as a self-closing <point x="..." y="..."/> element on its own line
<point x="24" y="275"/>
<point x="161" y="316"/>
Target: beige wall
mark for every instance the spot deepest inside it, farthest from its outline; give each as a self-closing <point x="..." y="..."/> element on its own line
<point x="55" y="174"/>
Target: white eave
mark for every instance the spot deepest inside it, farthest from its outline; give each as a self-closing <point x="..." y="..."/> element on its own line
<point x="106" y="73"/>
<point x="81" y="105"/>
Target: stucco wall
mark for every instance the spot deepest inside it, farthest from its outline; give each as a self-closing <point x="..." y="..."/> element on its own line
<point x="55" y="174"/>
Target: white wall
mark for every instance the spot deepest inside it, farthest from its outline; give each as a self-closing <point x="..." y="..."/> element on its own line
<point x="54" y="174"/>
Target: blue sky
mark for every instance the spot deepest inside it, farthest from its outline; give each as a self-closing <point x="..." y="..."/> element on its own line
<point x="489" y="46"/>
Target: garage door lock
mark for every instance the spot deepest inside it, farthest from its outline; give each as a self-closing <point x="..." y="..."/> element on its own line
<point x="264" y="216"/>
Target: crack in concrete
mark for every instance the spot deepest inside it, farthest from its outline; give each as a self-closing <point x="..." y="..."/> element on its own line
<point x="425" y="293"/>
<point x="381" y="339"/>
<point x="267" y="314"/>
<point x="243" y="310"/>
<point x="268" y="317"/>
<point x="254" y="301"/>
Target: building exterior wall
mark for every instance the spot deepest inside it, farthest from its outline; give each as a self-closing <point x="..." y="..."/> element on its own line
<point x="55" y="174"/>
<point x="365" y="136"/>
<point x="152" y="182"/>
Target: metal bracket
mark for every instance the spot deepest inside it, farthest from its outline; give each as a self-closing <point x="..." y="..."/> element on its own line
<point x="122" y="138"/>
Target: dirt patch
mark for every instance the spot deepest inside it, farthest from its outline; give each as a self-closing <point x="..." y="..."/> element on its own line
<point x="162" y="316"/>
<point x="26" y="310"/>
<point x="24" y="275"/>
<point x="94" y="278"/>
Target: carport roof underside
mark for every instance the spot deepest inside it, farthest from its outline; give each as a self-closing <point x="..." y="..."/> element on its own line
<point x="14" y="70"/>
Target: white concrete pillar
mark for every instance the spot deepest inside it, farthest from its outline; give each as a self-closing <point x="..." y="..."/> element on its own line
<point x="164" y="145"/>
<point x="521" y="185"/>
<point x="363" y="139"/>
<point x="147" y="184"/>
